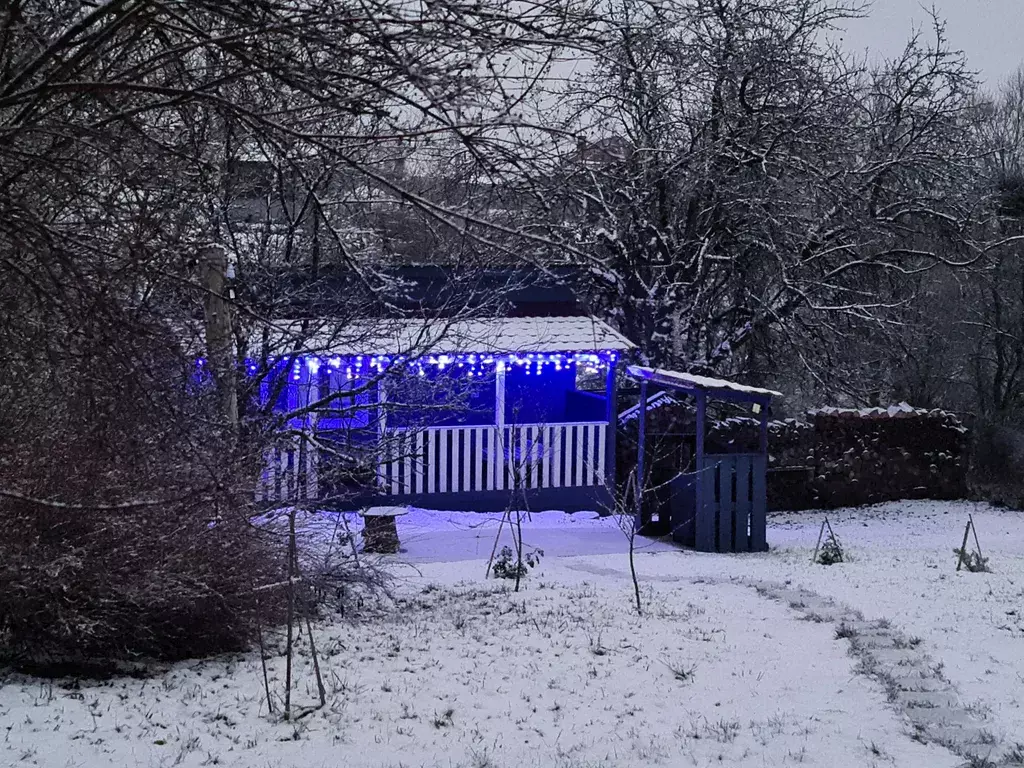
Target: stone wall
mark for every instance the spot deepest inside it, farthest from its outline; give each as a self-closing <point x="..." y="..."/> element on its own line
<point x="846" y="457"/>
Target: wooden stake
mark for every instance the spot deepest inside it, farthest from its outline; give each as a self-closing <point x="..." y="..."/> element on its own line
<point x="263" y="660"/>
<point x="291" y="617"/>
<point x="974" y="529"/>
<point x="821" y="532"/>
<point x="497" y="538"/>
<point x="963" y="547"/>
<point x="316" y="665"/>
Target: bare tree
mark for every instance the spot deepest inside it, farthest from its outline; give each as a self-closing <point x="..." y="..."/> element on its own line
<point x="994" y="318"/>
<point x="741" y="176"/>
<point x="136" y="136"/>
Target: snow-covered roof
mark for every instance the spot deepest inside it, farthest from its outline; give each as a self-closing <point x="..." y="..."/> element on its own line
<point x="507" y="335"/>
<point x="693" y="382"/>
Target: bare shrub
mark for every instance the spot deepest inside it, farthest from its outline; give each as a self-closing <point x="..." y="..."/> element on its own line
<point x="124" y="509"/>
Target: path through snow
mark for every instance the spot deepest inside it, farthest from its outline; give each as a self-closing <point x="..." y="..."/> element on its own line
<point x="913" y="681"/>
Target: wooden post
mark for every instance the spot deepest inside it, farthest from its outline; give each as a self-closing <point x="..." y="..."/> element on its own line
<point x="764" y="431"/>
<point x="704" y="492"/>
<point x="759" y="490"/>
<point x="611" y="414"/>
<point x="963" y="546"/>
<point x="744" y="502"/>
<point x="213" y="264"/>
<point x="702" y="405"/>
<point x="499" y="396"/>
<point x="759" y="506"/>
<point x="641" y="440"/>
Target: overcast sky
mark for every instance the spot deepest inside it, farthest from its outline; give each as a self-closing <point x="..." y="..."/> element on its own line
<point x="990" y="32"/>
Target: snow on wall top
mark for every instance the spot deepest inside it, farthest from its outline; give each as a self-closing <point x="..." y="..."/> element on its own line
<point x="693" y="381"/>
<point x="902" y="411"/>
<point x="448" y="336"/>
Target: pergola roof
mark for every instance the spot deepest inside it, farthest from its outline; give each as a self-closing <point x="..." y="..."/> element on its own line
<point x="694" y="384"/>
<point x="654" y="402"/>
<point x="509" y="335"/>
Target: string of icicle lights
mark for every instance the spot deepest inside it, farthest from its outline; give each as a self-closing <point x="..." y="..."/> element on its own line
<point x="472" y="365"/>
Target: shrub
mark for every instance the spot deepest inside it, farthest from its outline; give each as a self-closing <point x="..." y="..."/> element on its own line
<point x="164" y="584"/>
<point x="997" y="464"/>
<point x="506" y="566"/>
<point x="972" y="560"/>
<point x="831" y="551"/>
<point x="125" y="519"/>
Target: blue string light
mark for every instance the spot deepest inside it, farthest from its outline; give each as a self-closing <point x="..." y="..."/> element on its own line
<point x="473" y="365"/>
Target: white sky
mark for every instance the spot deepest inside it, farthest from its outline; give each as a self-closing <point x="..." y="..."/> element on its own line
<point x="990" y="32"/>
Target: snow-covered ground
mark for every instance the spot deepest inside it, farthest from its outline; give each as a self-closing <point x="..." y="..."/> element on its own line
<point x="463" y="672"/>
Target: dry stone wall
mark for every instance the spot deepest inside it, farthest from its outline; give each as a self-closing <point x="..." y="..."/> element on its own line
<point x="846" y="457"/>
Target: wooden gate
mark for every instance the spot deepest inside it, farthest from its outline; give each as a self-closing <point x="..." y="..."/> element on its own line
<point x="731" y="503"/>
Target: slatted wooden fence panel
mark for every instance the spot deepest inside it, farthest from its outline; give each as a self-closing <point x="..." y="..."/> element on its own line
<point x="731" y="503"/>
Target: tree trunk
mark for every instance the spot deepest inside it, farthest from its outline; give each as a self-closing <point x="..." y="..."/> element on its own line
<point x="219" y="342"/>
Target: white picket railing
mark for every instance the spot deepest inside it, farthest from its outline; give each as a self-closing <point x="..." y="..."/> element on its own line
<point x="489" y="458"/>
<point x="454" y="460"/>
<point x="290" y="472"/>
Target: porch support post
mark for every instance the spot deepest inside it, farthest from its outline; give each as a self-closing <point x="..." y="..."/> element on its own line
<point x="764" y="430"/>
<point x="382" y="411"/>
<point x="611" y="415"/>
<point x="702" y="406"/>
<point x="307" y="448"/>
<point x="499" y="395"/>
<point x="313" y="394"/>
<point x="641" y="440"/>
<point x="383" y="449"/>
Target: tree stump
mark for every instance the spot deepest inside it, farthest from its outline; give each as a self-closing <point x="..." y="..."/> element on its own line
<point x="380" y="532"/>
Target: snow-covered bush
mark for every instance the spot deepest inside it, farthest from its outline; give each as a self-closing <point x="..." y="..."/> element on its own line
<point x="831" y="551"/>
<point x="972" y="560"/>
<point x="508" y="566"/>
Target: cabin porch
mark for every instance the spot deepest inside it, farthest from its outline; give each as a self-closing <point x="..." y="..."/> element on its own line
<point x="462" y="430"/>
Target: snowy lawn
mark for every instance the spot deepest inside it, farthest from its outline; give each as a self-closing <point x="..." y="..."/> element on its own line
<point x="461" y="671"/>
<point x="903" y="569"/>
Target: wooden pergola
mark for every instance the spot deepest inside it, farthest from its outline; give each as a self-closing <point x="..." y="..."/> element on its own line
<point x="725" y="498"/>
